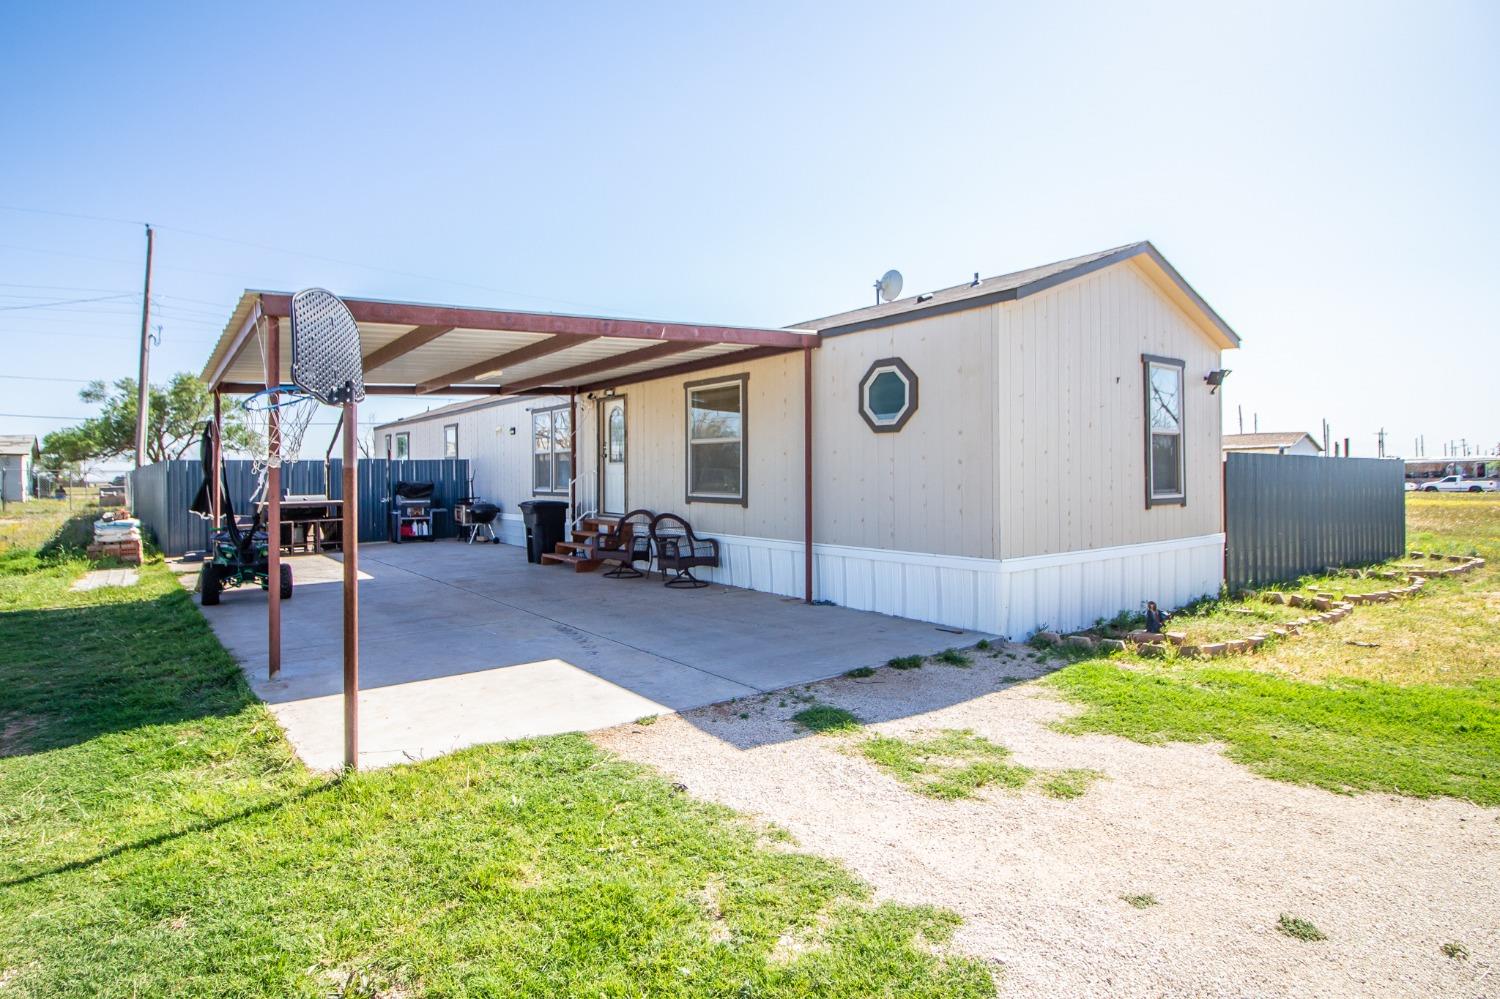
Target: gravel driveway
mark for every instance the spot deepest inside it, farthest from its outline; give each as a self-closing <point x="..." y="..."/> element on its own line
<point x="1039" y="881"/>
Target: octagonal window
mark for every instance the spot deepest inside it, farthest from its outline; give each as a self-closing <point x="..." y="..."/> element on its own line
<point x="888" y="395"/>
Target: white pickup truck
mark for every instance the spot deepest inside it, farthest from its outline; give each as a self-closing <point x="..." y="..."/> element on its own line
<point x="1458" y="484"/>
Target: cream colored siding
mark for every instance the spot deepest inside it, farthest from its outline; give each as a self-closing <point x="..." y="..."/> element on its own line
<point x="1071" y="439"/>
<point x="656" y="455"/>
<point x="499" y="463"/>
<point x="929" y="487"/>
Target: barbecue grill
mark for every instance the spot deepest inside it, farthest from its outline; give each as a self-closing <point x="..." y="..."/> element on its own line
<point x="475" y="515"/>
<point x="412" y="512"/>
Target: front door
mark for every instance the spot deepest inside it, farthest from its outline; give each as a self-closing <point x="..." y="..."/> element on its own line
<point x="612" y="458"/>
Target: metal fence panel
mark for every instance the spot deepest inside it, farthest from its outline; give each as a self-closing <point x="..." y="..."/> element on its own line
<point x="1289" y="515"/>
<point x="160" y="494"/>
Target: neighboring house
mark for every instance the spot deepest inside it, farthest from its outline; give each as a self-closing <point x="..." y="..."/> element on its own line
<point x="1294" y="442"/>
<point x="18" y="457"/>
<point x="508" y="463"/>
<point x="1035" y="449"/>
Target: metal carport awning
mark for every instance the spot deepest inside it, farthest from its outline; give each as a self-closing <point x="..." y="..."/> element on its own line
<point x="418" y="349"/>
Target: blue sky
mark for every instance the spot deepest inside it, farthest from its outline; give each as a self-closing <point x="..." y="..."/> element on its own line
<point x="1324" y="174"/>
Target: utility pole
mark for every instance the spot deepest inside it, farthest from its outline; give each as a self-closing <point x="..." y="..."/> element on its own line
<point x="1242" y="418"/>
<point x="1380" y="443"/>
<point x="143" y="382"/>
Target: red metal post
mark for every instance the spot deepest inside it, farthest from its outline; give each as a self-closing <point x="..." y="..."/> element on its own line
<point x="349" y="542"/>
<point x="273" y="498"/>
<point x="572" y="455"/>
<point x="216" y="492"/>
<point x="807" y="475"/>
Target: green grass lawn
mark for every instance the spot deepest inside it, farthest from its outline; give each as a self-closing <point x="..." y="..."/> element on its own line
<point x="1412" y="708"/>
<point x="158" y="838"/>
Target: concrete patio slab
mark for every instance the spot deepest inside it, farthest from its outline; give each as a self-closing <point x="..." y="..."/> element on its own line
<point x="461" y="645"/>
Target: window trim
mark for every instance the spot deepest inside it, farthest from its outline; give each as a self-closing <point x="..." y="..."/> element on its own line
<point x="403" y="438"/>
<point x="743" y="381"/>
<point x="907" y="375"/>
<point x="388" y="451"/>
<point x="1148" y="361"/>
<point x="532" y="452"/>
<point x="446" y="428"/>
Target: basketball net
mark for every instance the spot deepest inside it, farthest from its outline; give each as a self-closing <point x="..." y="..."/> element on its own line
<point x="294" y="410"/>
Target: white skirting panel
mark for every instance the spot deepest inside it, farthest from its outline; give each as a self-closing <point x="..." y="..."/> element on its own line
<point x="1013" y="597"/>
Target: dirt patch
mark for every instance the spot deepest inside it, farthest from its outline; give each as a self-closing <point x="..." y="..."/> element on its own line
<point x="1039" y="881"/>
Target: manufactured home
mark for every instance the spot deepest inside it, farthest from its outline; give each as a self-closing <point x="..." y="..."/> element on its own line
<point x="19" y="455"/>
<point x="1293" y="442"/>
<point x="1038" y="449"/>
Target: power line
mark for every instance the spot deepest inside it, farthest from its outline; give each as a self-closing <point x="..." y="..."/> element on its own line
<point x="41" y="416"/>
<point x="65" y="301"/>
<point x="44" y="378"/>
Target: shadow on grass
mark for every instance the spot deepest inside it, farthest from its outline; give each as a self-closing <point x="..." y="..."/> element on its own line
<point x="146" y="843"/>
<point x="71" y="674"/>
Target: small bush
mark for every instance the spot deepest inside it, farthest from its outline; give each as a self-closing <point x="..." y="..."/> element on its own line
<point x="1142" y="901"/>
<point x="983" y="643"/>
<point x="826" y="719"/>
<point x="860" y="672"/>
<point x="906" y="662"/>
<point x="1068" y="784"/>
<point x="647" y="719"/>
<point x="1300" y="929"/>
<point x="953" y="657"/>
<point x="1457" y="951"/>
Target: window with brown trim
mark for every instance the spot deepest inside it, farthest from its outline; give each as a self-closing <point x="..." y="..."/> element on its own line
<point x="551" y="450"/>
<point x="1165" y="468"/>
<point x="450" y="440"/>
<point x="716" y="440"/>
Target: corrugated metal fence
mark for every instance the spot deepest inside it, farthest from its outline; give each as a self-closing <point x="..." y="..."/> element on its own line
<point x="1289" y="515"/>
<point x="160" y="494"/>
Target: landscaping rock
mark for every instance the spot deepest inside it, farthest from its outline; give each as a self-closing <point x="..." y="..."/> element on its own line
<point x="1213" y="649"/>
<point x="1189" y="650"/>
<point x="1080" y="642"/>
<point x="1237" y="646"/>
<point x="1151" y="649"/>
<point x="1146" y="637"/>
<point x="1275" y="597"/>
<point x="1294" y="600"/>
<point x="1256" y="641"/>
<point x="1176" y="637"/>
<point x="1322" y="603"/>
<point x="1045" y="638"/>
<point x="1112" y="644"/>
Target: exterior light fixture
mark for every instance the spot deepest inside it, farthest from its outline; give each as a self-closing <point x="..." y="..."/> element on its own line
<point x="1215" y="379"/>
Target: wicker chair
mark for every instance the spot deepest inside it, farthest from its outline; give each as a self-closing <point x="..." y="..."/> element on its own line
<point x="631" y="543"/>
<point x="681" y="551"/>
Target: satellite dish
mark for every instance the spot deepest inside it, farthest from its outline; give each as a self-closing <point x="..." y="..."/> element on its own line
<point x="888" y="288"/>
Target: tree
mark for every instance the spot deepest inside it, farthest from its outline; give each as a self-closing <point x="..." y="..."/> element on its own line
<point x="174" y="427"/>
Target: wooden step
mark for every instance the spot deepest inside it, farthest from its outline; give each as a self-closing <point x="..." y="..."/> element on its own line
<point x="605" y="525"/>
<point x="579" y="564"/>
<point x="567" y="547"/>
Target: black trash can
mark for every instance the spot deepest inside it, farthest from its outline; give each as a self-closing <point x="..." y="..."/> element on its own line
<point x="545" y="522"/>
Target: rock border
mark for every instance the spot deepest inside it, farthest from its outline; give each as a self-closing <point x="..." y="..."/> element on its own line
<point x="1329" y="608"/>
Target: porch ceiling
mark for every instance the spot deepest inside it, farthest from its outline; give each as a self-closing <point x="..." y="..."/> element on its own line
<point x="412" y="348"/>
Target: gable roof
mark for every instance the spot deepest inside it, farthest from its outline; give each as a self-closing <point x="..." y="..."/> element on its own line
<point x="1020" y="284"/>
<point x="1242" y="442"/>
<point x="17" y="444"/>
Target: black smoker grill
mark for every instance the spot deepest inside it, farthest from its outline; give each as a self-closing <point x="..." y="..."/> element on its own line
<point x="475" y="516"/>
<point x="412" y="512"/>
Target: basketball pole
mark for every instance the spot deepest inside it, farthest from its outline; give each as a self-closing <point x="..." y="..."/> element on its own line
<point x="349" y="533"/>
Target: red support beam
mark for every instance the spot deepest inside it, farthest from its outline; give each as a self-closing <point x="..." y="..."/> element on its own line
<point x="807" y="475"/>
<point x="624" y="360"/>
<point x="349" y="543"/>
<point x="403" y="345"/>
<point x="273" y="500"/>
<point x="413" y="314"/>
<point x="511" y="358"/>
<point x="685" y="368"/>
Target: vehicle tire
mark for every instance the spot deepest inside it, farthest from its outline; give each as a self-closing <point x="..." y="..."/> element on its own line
<point x="1429" y="489"/>
<point x="286" y="582"/>
<point x="210" y="585"/>
<point x="1475" y="489"/>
